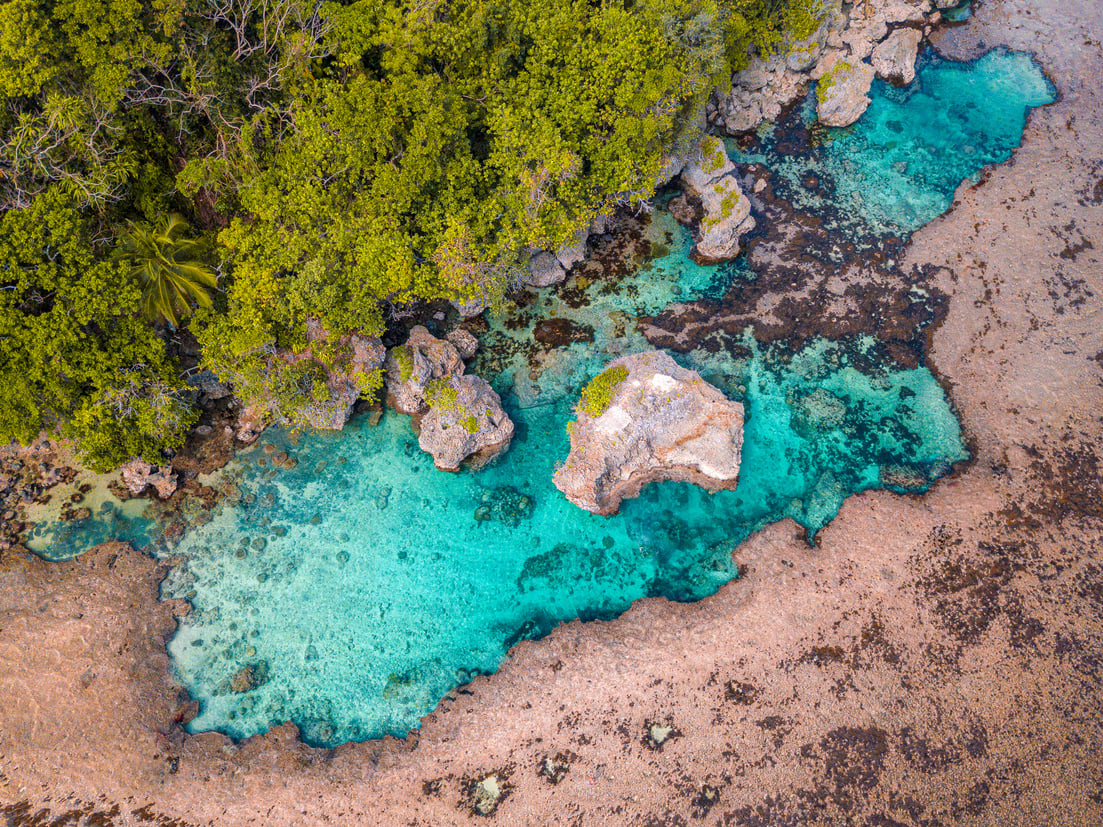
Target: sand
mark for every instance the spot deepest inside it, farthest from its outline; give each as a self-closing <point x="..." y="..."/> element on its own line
<point x="933" y="660"/>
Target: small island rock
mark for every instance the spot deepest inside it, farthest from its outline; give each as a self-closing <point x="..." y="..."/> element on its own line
<point x="660" y="422"/>
<point x="411" y="367"/>
<point x="465" y="421"/>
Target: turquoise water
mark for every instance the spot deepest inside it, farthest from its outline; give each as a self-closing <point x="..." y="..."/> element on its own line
<point x="358" y="588"/>
<point x="366" y="584"/>
<point x="897" y="168"/>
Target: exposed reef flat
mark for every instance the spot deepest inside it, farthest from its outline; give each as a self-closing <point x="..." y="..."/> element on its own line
<point x="932" y="659"/>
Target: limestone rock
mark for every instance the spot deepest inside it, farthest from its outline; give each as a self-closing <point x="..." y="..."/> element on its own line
<point x="663" y="422"/>
<point x="366" y="354"/>
<point x="571" y="254"/>
<point x="411" y="367"/>
<point x="894" y="58"/>
<point x="844" y="94"/>
<point x="465" y="419"/>
<point x="251" y="422"/>
<point x="544" y="270"/>
<point x="727" y="219"/>
<point x="464" y="342"/>
<point x="710" y="163"/>
<point x="138" y="475"/>
<point x="469" y="309"/>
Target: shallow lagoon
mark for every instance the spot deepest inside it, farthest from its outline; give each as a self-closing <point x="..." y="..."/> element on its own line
<point x="363" y="585"/>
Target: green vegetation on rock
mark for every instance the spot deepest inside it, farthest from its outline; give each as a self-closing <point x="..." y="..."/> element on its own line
<point x="598" y="394"/>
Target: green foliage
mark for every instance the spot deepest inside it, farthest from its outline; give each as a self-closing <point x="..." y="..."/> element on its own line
<point x="405" y="361"/>
<point x="352" y="156"/>
<point x="441" y="395"/>
<point x="470" y="424"/>
<point x="597" y="396"/>
<point x="823" y="86"/>
<point x="169" y="269"/>
<point x="74" y="353"/>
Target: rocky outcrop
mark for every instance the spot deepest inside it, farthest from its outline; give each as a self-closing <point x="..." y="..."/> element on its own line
<point x="411" y="367"/>
<point x="366" y="355"/>
<point x="465" y="421"/>
<point x="727" y="211"/>
<point x="544" y="270"/>
<point x="464" y="342"/>
<point x="894" y="57"/>
<point x="138" y="475"/>
<point x="849" y="34"/>
<point x="458" y="417"/>
<point x="843" y="93"/>
<point x="659" y="422"/>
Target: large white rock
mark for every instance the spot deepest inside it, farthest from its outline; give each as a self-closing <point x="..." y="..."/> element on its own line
<point x="894" y="57"/>
<point x="663" y="422"/>
<point x="843" y="93"/>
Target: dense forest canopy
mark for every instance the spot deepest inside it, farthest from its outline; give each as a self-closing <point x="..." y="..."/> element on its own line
<point x="270" y="162"/>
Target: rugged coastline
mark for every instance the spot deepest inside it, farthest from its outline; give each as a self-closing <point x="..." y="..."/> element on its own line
<point x="995" y="569"/>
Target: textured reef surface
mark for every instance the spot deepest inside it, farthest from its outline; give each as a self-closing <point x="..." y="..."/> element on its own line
<point x="351" y="590"/>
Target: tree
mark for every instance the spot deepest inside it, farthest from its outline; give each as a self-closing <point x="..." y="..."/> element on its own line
<point x="169" y="269"/>
<point x="75" y="354"/>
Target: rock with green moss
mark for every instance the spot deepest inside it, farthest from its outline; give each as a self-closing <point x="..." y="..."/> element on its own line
<point x="411" y="367"/>
<point x="464" y="423"/>
<point x="843" y="93"/>
<point x="727" y="211"/>
<point x="655" y="421"/>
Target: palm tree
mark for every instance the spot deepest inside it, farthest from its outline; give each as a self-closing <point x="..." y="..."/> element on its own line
<point x="168" y="268"/>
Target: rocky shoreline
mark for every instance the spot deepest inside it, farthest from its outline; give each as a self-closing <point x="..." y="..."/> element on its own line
<point x="932" y="660"/>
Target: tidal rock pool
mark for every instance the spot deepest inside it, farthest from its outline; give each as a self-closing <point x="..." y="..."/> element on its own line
<point x="897" y="168"/>
<point x="350" y="590"/>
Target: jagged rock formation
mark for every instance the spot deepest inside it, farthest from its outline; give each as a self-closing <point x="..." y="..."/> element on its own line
<point x="849" y="34"/>
<point x="843" y="93"/>
<point x="727" y="211"/>
<point x="138" y="475"/>
<point x="458" y="417"/>
<point x="660" y="422"/>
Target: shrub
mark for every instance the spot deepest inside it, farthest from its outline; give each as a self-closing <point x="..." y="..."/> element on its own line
<point x="598" y="395"/>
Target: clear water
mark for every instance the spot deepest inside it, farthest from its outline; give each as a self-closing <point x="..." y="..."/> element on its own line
<point x="363" y="585"/>
<point x="370" y="584"/>
<point x="897" y="168"/>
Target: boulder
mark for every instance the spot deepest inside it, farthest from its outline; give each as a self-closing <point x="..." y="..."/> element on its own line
<point x="659" y="422"/>
<point x="138" y="475"/>
<point x="465" y="420"/>
<point x="366" y="355"/>
<point x="894" y="58"/>
<point x="843" y="93"/>
<point x="251" y="422"/>
<point x="726" y="210"/>
<point x="544" y="270"/>
<point x="727" y="219"/>
<point x="571" y="254"/>
<point x="464" y="342"/>
<point x="411" y="367"/>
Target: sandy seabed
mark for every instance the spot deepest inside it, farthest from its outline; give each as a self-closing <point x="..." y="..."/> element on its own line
<point x="934" y="660"/>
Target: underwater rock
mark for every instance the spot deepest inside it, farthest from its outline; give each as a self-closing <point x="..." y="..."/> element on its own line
<point x="488" y="794"/>
<point x="894" y="58"/>
<point x="138" y="475"/>
<point x="249" y="677"/>
<point x="844" y="93"/>
<point x="662" y="422"/>
<point x="727" y="211"/>
<point x="465" y="420"/>
<point x="557" y="332"/>
<point x="411" y="367"/>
